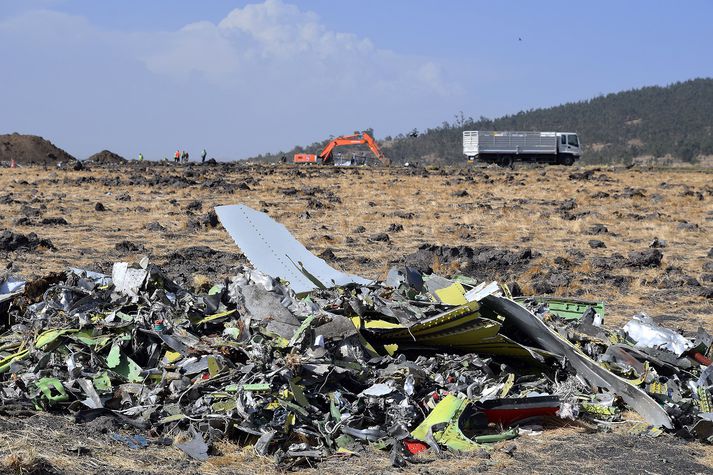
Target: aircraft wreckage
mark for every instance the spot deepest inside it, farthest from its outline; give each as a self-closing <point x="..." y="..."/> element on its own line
<point x="302" y="361"/>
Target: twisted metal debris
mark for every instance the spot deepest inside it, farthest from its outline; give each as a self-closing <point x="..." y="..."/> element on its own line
<point x="412" y="364"/>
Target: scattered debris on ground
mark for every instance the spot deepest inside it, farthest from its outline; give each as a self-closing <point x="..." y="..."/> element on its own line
<point x="302" y="361"/>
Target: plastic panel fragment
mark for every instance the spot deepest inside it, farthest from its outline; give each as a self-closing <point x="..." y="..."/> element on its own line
<point x="449" y="412"/>
<point x="567" y="308"/>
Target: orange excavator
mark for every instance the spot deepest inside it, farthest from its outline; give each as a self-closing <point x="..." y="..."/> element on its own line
<point x="326" y="155"/>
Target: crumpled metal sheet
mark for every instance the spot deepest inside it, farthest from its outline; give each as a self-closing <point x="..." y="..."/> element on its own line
<point x="9" y="287"/>
<point x="266" y="306"/>
<point x="597" y="376"/>
<point x="128" y="280"/>
<point x="307" y="376"/>
<point x="195" y="447"/>
<point x="647" y="334"/>
<point x="271" y="248"/>
<point x="97" y="277"/>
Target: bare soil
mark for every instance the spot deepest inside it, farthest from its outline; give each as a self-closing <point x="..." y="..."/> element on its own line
<point x="31" y="150"/>
<point x="106" y="157"/>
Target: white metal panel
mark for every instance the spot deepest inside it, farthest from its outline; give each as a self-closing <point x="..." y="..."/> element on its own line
<point x="271" y="249"/>
<point x="10" y="287"/>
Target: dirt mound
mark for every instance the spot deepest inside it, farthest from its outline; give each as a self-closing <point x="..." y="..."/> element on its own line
<point x="482" y="262"/>
<point x="183" y="264"/>
<point x="106" y="157"/>
<point x="31" y="150"/>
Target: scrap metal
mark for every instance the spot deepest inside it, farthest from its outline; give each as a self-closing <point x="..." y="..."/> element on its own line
<point x="270" y="247"/>
<point x="338" y="363"/>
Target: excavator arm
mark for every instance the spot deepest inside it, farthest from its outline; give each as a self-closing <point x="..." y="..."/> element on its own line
<point x="359" y="138"/>
<point x="355" y="139"/>
<point x="326" y="153"/>
<point x="376" y="150"/>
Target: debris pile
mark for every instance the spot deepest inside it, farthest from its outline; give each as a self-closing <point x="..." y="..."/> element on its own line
<point x="414" y="364"/>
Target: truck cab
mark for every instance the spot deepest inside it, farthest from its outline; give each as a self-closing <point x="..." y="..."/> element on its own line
<point x="568" y="147"/>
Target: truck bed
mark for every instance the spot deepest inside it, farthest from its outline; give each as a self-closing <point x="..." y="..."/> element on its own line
<point x="477" y="143"/>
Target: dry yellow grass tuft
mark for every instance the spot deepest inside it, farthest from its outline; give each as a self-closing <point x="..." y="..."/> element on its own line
<point x="202" y="282"/>
<point x="22" y="461"/>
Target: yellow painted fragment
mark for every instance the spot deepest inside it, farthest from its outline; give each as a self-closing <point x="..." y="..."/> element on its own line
<point x="462" y="328"/>
<point x="173" y="418"/>
<point x="49" y="336"/>
<point x="290" y="420"/>
<point x="172" y="356"/>
<point x="213" y="367"/>
<point x="391" y="349"/>
<point x="7" y="361"/>
<point x="224" y="406"/>
<point x="216" y="316"/>
<point x="638" y="381"/>
<point x="375" y="324"/>
<point x="452" y="295"/>
<point x="508" y="385"/>
<point x="448" y="411"/>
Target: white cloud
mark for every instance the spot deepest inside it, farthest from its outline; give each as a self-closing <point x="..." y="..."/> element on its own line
<point x="259" y="39"/>
<point x="198" y="47"/>
<point x="266" y="77"/>
<point x="282" y="29"/>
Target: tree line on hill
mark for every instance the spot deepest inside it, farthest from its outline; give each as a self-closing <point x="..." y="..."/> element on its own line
<point x="674" y="121"/>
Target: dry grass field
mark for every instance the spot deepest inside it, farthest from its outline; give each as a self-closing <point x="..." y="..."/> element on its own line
<point x="550" y="210"/>
<point x="548" y="216"/>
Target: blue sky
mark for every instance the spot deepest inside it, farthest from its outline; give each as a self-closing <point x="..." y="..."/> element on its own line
<point x="244" y="77"/>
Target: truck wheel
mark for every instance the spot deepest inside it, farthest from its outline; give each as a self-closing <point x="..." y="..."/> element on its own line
<point x="568" y="160"/>
<point x="505" y="162"/>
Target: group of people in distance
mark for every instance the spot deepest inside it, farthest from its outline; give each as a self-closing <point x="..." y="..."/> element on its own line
<point x="183" y="157"/>
<point x="179" y="156"/>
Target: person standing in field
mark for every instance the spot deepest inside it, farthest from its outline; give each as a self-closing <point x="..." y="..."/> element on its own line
<point x="177" y="156"/>
<point x="141" y="157"/>
<point x="203" y="155"/>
